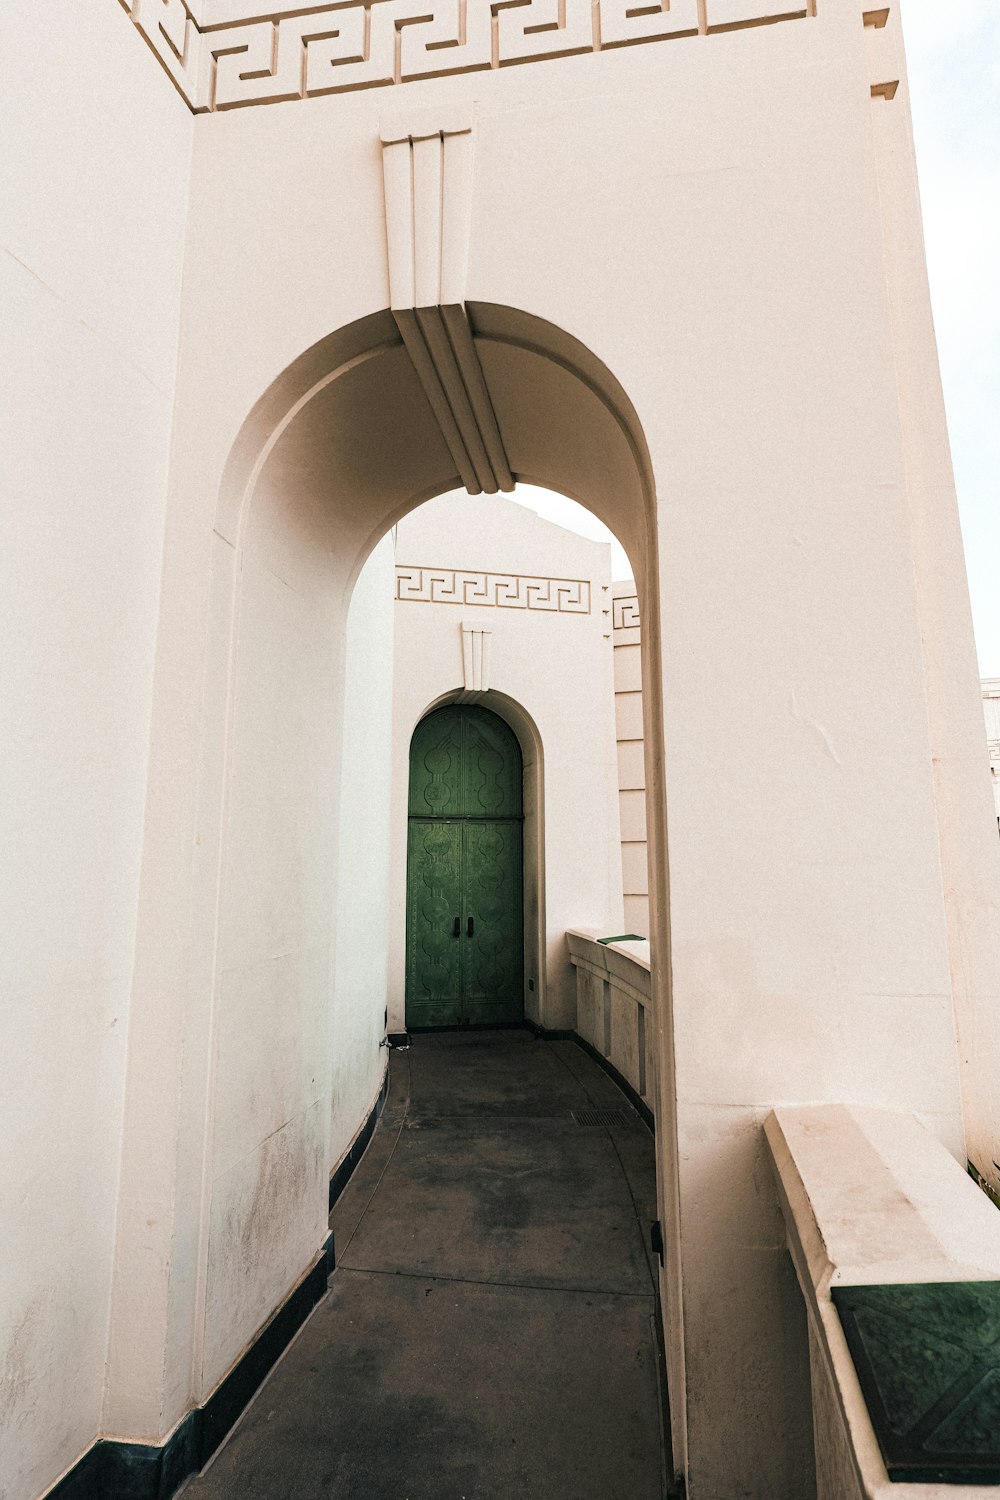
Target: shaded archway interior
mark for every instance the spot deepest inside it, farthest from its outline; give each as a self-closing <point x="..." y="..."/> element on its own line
<point x="347" y="431"/>
<point x="341" y="446"/>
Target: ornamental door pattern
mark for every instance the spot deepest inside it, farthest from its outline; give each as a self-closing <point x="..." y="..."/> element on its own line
<point x="463" y="909"/>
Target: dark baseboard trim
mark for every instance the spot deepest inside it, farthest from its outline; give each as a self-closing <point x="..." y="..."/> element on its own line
<point x="342" y="1176"/>
<point x="134" y="1471"/>
<point x="141" y="1471"/>
<point x="636" y="1100"/>
<point x="468" y="1030"/>
<point x="551" y="1036"/>
<point x="399" y="1038"/>
<point x="228" y="1400"/>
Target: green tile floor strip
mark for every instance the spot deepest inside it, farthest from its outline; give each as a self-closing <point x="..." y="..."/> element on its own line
<point x="928" y="1360"/>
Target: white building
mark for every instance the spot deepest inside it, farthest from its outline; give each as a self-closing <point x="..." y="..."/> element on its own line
<point x="276" y="277"/>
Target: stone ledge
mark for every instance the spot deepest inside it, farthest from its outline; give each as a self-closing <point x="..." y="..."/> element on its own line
<point x="871" y="1198"/>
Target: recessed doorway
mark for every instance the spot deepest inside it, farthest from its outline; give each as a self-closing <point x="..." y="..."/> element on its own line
<point x="464" y="910"/>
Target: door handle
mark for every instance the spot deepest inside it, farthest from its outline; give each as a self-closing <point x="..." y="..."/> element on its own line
<point x="456" y="931"/>
<point x="471" y="927"/>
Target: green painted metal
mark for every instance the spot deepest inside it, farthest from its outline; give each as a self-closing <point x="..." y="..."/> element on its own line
<point x="493" y="973"/>
<point x="464" y="923"/>
<point x="465" y="762"/>
<point x="928" y="1361"/>
<point x="433" y="903"/>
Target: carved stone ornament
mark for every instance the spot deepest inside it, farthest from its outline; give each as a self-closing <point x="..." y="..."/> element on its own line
<point x="427" y="160"/>
<point x="229" y="62"/>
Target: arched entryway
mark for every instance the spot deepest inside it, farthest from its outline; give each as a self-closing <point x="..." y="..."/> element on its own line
<point x="464" y="930"/>
<point x="340" y="447"/>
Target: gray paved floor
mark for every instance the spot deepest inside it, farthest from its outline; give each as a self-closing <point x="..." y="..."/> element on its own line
<point x="490" y="1328"/>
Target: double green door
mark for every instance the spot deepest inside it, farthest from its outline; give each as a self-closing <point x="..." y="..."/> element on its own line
<point x="464" y="962"/>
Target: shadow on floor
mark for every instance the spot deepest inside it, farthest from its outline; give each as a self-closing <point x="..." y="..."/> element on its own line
<point x="491" y="1328"/>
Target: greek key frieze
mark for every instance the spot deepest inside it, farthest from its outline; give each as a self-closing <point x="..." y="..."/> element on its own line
<point x="625" y="612"/>
<point x="227" y="64"/>
<point x="567" y="596"/>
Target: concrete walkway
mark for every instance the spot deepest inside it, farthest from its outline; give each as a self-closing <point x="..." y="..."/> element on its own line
<point x="490" y="1329"/>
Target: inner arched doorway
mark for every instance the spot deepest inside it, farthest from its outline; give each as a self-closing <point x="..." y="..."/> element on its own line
<point x="464" y="933"/>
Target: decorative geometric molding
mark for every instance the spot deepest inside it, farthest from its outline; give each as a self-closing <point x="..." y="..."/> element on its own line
<point x="172" y="33"/>
<point x="625" y="612"/>
<point x="303" y="52"/>
<point x="883" y="52"/>
<point x="477" y="653"/>
<point x="427" y="170"/>
<point x="567" y="596"/>
<point x="736" y="15"/>
<point x="427" y="164"/>
<point x="116" y="1470"/>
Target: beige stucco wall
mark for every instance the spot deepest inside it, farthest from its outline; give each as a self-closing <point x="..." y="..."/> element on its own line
<point x="552" y="662"/>
<point x="727" y="225"/>
<point x="93" y="183"/>
<point x="361" y="946"/>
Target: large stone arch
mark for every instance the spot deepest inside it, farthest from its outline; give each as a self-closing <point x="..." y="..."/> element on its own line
<point x="341" y="446"/>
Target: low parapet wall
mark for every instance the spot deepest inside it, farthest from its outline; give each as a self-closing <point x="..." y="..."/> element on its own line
<point x="897" y="1254"/>
<point x="613" y="1005"/>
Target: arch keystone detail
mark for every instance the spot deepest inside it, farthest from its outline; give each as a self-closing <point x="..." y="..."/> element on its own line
<point x="477" y="642"/>
<point x="427" y="160"/>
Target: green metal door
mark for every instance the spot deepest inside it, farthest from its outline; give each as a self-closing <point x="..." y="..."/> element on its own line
<point x="463" y="910"/>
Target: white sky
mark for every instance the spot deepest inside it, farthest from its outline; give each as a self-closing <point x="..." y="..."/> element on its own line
<point x="954" y="66"/>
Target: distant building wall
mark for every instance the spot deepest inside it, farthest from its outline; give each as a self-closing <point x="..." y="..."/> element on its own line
<point x="991" y="706"/>
<point x="631" y="764"/>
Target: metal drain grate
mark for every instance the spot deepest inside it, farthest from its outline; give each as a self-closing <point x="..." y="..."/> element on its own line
<point x="600" y="1116"/>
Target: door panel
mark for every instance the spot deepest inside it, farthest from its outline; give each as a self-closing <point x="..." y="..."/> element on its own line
<point x="464" y="763"/>
<point x="464" y="860"/>
<point x="433" y="901"/>
<point x="491" y="876"/>
<point x="436" y="783"/>
<point x="492" y="767"/>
